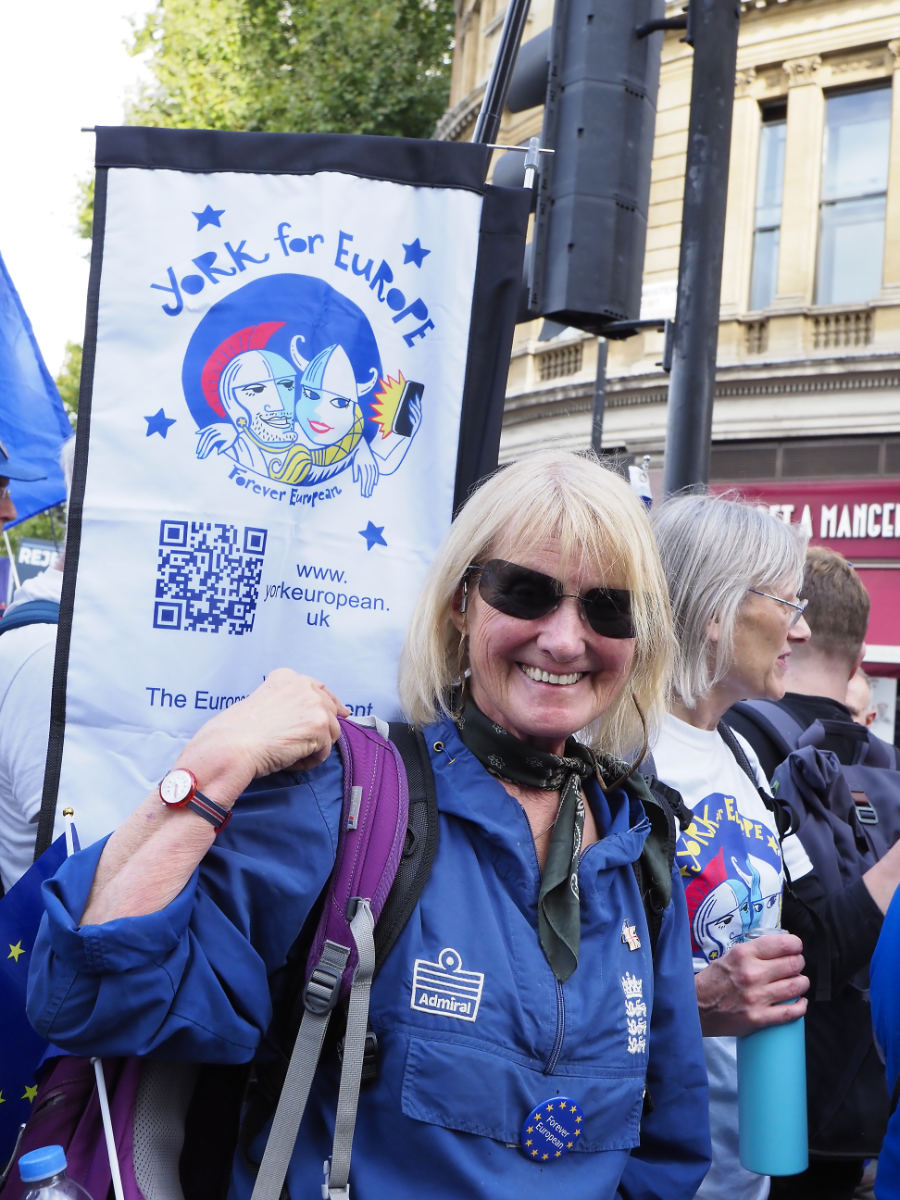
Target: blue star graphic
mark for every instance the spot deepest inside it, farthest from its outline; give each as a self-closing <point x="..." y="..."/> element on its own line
<point x="414" y="252"/>
<point x="374" y="535"/>
<point x="209" y="216"/>
<point x="159" y="423"/>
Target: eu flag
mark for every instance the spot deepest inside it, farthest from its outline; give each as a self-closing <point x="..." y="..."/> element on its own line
<point x="22" y="1049"/>
<point x="33" y="422"/>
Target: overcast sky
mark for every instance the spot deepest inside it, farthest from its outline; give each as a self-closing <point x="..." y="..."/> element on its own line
<point x="63" y="66"/>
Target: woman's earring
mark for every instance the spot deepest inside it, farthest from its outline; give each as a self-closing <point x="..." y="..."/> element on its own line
<point x="462" y="676"/>
<point x="464" y="599"/>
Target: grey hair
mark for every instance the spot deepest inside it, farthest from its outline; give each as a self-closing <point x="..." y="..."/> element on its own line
<point x="595" y="518"/>
<point x="714" y="548"/>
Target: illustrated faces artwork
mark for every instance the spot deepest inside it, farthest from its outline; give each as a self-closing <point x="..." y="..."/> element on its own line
<point x="748" y="900"/>
<point x="258" y="389"/>
<point x="721" y="919"/>
<point x="326" y="403"/>
<point x="242" y="372"/>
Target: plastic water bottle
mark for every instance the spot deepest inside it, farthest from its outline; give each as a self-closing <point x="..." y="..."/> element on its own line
<point x="44" y="1174"/>
<point x="771" y="1071"/>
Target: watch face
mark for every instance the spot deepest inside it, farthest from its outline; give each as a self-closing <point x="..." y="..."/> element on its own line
<point x="176" y="787"/>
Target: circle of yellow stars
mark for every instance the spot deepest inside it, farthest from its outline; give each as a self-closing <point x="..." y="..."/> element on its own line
<point x="544" y="1156"/>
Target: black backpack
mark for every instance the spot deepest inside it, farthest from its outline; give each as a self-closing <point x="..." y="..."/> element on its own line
<point x="846" y="815"/>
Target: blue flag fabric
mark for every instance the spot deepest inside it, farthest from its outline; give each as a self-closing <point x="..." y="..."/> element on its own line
<point x="33" y="422"/>
<point x="22" y="1049"/>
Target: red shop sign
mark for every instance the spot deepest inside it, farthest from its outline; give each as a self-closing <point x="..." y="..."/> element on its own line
<point x="859" y="519"/>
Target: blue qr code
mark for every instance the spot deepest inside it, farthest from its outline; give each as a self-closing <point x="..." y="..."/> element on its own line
<point x="207" y="576"/>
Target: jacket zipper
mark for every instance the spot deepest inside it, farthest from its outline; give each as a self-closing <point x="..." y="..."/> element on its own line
<point x="556" y="1049"/>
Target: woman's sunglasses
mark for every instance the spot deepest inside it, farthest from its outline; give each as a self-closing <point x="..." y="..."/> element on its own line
<point x="526" y="594"/>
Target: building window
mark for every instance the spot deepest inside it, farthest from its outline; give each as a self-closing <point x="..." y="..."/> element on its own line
<point x="804" y="458"/>
<point x="767" y="215"/>
<point x="564" y="360"/>
<point x="854" y="187"/>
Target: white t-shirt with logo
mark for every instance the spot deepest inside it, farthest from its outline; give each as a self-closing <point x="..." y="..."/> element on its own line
<point x="730" y="859"/>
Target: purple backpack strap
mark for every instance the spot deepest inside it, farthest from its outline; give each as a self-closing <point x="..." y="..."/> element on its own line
<point x="373" y="829"/>
<point x="374" y="821"/>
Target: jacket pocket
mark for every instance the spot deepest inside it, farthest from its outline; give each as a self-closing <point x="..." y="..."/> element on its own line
<point x="472" y="1090"/>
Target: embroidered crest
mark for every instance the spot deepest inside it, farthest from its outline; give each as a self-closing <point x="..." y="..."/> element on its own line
<point x="635" y="1013"/>
<point x="445" y="989"/>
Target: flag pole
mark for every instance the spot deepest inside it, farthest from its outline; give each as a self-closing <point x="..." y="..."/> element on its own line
<point x="12" y="559"/>
<point x="111" y="1152"/>
<point x="68" y="816"/>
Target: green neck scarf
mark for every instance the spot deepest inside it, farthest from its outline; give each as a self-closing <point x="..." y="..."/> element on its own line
<point x="559" y="921"/>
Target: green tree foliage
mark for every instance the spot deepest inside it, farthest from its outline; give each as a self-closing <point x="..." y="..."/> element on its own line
<point x="48" y="526"/>
<point x="370" y="66"/>
<point x="69" y="379"/>
<point x="84" y="214"/>
<point x="314" y="66"/>
<point x="319" y="66"/>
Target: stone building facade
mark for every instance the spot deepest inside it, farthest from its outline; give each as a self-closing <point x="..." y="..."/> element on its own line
<point x="808" y="365"/>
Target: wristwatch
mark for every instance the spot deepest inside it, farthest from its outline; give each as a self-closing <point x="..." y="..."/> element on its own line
<point x="178" y="789"/>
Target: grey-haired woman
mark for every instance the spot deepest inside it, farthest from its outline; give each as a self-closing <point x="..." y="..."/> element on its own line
<point x="733" y="572"/>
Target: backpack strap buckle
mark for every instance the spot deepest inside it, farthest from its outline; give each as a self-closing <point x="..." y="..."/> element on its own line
<point x="864" y="809"/>
<point x="370" y="1057"/>
<point x="329" y="1192"/>
<point x="324" y="987"/>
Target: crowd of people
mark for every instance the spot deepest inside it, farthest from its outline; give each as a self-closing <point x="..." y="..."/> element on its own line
<point x="577" y="668"/>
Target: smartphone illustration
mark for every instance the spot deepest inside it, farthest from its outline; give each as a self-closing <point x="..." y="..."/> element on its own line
<point x="402" y="419"/>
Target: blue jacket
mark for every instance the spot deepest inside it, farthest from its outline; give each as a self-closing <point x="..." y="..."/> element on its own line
<point x="474" y="1029"/>
<point x="884" y="982"/>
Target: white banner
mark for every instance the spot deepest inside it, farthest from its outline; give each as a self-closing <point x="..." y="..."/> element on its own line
<point x="272" y="422"/>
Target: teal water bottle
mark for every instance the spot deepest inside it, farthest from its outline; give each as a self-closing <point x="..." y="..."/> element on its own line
<point x="771" y="1071"/>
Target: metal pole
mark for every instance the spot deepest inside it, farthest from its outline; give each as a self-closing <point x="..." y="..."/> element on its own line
<point x="714" y="32"/>
<point x="12" y="561"/>
<point x="599" y="397"/>
<point x="488" y="123"/>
